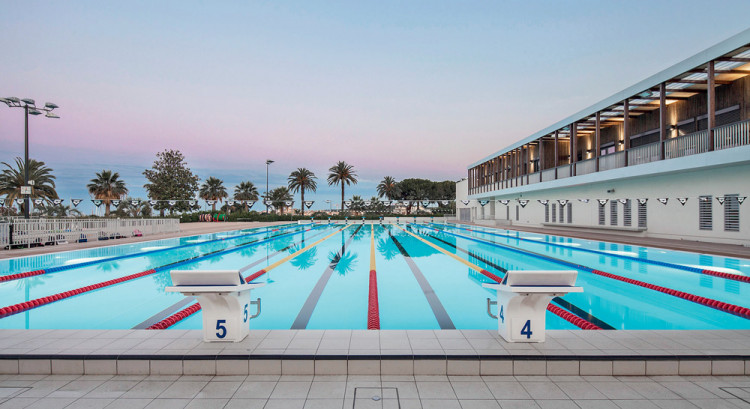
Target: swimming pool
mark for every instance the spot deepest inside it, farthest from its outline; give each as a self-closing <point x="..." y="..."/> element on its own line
<point x="425" y="276"/>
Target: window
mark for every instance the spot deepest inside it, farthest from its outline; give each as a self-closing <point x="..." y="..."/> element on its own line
<point x="705" y="213"/>
<point x="562" y="214"/>
<point x="731" y="213"/>
<point x="507" y="212"/>
<point x="627" y="216"/>
<point x="517" y="213"/>
<point x="554" y="213"/>
<point x="613" y="212"/>
<point x="570" y="212"/>
<point x="642" y="215"/>
<point x="602" y="218"/>
<point x="546" y="212"/>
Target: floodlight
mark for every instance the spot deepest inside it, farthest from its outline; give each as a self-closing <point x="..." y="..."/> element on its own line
<point x="13" y="99"/>
<point x="6" y="101"/>
<point x="269" y="161"/>
<point x="51" y="115"/>
<point x="28" y="101"/>
<point x="35" y="112"/>
<point x="50" y="105"/>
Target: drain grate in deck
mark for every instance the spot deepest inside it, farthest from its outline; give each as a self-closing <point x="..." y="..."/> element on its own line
<point x="376" y="398"/>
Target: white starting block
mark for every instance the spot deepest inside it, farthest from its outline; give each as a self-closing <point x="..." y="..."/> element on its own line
<point x="224" y="298"/>
<point x="522" y="300"/>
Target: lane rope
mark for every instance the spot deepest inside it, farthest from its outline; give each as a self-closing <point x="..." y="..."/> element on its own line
<point x="373" y="310"/>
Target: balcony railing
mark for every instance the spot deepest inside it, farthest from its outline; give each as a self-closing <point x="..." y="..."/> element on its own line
<point x="732" y="135"/>
<point x="725" y="137"/>
<point x="586" y="166"/>
<point x="612" y="161"/>
<point x="686" y="145"/>
<point x="643" y="154"/>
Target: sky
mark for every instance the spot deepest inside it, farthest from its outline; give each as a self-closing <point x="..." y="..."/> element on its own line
<point x="405" y="89"/>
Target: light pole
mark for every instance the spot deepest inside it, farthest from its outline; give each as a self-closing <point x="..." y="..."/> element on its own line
<point x="268" y="162"/>
<point x="29" y="107"/>
<point x="330" y="206"/>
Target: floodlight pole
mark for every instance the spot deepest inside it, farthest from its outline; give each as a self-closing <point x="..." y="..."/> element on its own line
<point x="268" y="162"/>
<point x="13" y="102"/>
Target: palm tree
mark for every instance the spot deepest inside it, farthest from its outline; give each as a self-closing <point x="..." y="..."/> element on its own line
<point x="107" y="186"/>
<point x="342" y="173"/>
<point x="59" y="210"/>
<point x="387" y="188"/>
<point x="302" y="179"/>
<point x="128" y="209"/>
<point x="213" y="189"/>
<point x="246" y="191"/>
<point x="11" y="180"/>
<point x="278" y="198"/>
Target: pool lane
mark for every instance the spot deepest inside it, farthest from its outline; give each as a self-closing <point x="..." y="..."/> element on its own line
<point x="120" y="306"/>
<point x="624" y="305"/>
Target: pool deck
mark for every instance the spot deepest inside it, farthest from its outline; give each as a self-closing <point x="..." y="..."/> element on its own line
<point x="186" y="229"/>
<point x="386" y="352"/>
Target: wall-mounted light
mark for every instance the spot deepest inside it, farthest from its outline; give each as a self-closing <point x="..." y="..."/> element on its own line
<point x="672" y="127"/>
<point x="620" y="142"/>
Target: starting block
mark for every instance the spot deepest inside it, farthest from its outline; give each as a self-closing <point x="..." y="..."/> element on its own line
<point x="224" y="298"/>
<point x="522" y="300"/>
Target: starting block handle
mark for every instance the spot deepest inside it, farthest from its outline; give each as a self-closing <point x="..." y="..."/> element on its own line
<point x="256" y="302"/>
<point x="490" y="303"/>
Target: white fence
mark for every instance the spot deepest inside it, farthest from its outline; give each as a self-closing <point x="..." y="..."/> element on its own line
<point x="691" y="144"/>
<point x="27" y="232"/>
<point x="586" y="166"/>
<point x="4" y="235"/>
<point x="612" y="161"/>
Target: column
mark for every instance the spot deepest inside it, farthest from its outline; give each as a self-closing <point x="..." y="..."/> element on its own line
<point x="711" y="97"/>
<point x="597" y="139"/>
<point x="573" y="148"/>
<point x="626" y="130"/>
<point x="662" y="118"/>
<point x="557" y="135"/>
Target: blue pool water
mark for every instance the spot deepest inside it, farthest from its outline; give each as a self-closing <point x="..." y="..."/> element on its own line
<point x="419" y="287"/>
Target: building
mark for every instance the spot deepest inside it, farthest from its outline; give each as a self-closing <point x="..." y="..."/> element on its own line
<point x="667" y="157"/>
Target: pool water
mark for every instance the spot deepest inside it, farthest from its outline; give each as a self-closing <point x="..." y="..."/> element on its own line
<point x="418" y="286"/>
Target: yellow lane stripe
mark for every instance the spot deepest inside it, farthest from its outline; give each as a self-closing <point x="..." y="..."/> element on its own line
<point x="372" y="248"/>
<point x="291" y="256"/>
<point x="442" y="250"/>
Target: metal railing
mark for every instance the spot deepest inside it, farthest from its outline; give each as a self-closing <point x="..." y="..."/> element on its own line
<point x="563" y="171"/>
<point x="643" y="154"/>
<point x="732" y="135"/>
<point x="548" y="174"/>
<point x="612" y="161"/>
<point x="534" y="177"/>
<point x="686" y="145"/>
<point x="27" y="232"/>
<point x="585" y="166"/>
<point x="4" y="235"/>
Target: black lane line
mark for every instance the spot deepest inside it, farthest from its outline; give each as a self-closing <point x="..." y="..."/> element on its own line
<point x="558" y="300"/>
<point x="441" y="315"/>
<point x="303" y="318"/>
<point x="178" y="305"/>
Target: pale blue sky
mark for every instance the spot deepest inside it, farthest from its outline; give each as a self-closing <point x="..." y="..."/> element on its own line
<point x="408" y="89"/>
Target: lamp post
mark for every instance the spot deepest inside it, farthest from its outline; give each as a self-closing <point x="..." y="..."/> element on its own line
<point x="29" y="107"/>
<point x="330" y="205"/>
<point x="268" y="162"/>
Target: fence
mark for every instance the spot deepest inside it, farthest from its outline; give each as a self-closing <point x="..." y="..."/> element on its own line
<point x="690" y="144"/>
<point x="4" y="235"/>
<point x="585" y="166"/>
<point x="732" y="135"/>
<point x="643" y="154"/>
<point x="27" y="232"/>
<point x="612" y="161"/>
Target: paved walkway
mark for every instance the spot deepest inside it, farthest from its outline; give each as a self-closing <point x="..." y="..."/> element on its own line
<point x="186" y="229"/>
<point x="338" y="392"/>
<point x="727" y="250"/>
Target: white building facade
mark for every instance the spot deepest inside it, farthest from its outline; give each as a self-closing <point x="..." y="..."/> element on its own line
<point x="668" y="157"/>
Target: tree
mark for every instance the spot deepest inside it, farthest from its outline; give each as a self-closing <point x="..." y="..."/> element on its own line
<point x="213" y="189"/>
<point x="423" y="189"/>
<point x="342" y="173"/>
<point x="387" y="187"/>
<point x="171" y="179"/>
<point x="107" y="186"/>
<point x="128" y="209"/>
<point x="246" y="191"/>
<point x="278" y="197"/>
<point x="11" y="180"/>
<point x="302" y="179"/>
<point x="59" y="210"/>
